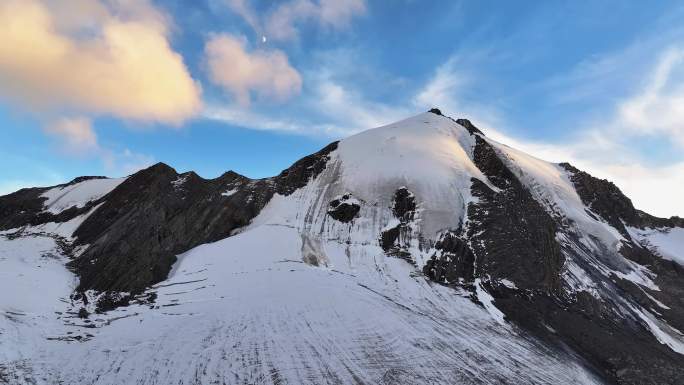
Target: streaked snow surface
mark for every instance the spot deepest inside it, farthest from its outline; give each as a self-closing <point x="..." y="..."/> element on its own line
<point x="78" y="194"/>
<point x="246" y="310"/>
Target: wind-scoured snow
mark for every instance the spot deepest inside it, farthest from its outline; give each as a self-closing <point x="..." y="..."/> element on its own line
<point x="78" y="194"/>
<point x="669" y="243"/>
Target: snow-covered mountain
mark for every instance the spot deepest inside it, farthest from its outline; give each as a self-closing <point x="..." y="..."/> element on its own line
<point x="421" y="252"/>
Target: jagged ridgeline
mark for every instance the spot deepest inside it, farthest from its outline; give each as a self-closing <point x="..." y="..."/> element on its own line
<point x="420" y="252"/>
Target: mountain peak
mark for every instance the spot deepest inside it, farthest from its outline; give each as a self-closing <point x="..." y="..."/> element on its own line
<point x="467" y="124"/>
<point x="374" y="236"/>
<point x="161" y="166"/>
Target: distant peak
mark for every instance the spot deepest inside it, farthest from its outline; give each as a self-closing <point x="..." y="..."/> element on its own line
<point x="436" y="111"/>
<point x="160" y="165"/>
<point x="159" y="168"/>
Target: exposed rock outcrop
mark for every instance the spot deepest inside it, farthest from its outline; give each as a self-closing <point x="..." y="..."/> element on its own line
<point x="453" y="261"/>
<point x="344" y="208"/>
<point x="395" y="239"/>
<point x="512" y="235"/>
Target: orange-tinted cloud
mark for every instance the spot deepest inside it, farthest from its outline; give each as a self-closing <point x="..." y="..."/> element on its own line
<point x="96" y="57"/>
<point x="266" y="73"/>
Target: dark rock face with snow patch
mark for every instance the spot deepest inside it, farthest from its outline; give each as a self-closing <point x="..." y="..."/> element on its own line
<point x="606" y="200"/>
<point x="395" y="239"/>
<point x="344" y="208"/>
<point x="26" y="207"/>
<point x="453" y="261"/>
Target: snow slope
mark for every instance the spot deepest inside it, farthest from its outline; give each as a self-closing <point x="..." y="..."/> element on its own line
<point x="669" y="243"/>
<point x="34" y="289"/>
<point x="429" y="154"/>
<point x="78" y="194"/>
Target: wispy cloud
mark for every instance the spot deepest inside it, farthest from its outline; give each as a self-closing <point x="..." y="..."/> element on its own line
<point x="349" y="111"/>
<point x="125" y="162"/>
<point x="282" y="22"/>
<point x="75" y="134"/>
<point x="339" y="112"/>
<point x="76" y="137"/>
<point x="238" y="116"/>
<point x="446" y="89"/>
<point x="659" y="108"/>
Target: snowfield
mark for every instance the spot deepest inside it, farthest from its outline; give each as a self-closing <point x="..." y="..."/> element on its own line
<point x="78" y="194"/>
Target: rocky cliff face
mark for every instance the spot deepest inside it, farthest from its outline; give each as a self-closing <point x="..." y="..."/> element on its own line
<point x="424" y="205"/>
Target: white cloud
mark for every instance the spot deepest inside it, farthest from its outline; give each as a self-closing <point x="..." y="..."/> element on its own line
<point x="94" y="57"/>
<point x="445" y="90"/>
<point x="267" y="73"/>
<point x="654" y="189"/>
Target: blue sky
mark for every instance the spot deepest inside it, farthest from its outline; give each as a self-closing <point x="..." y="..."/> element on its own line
<point x="252" y="86"/>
